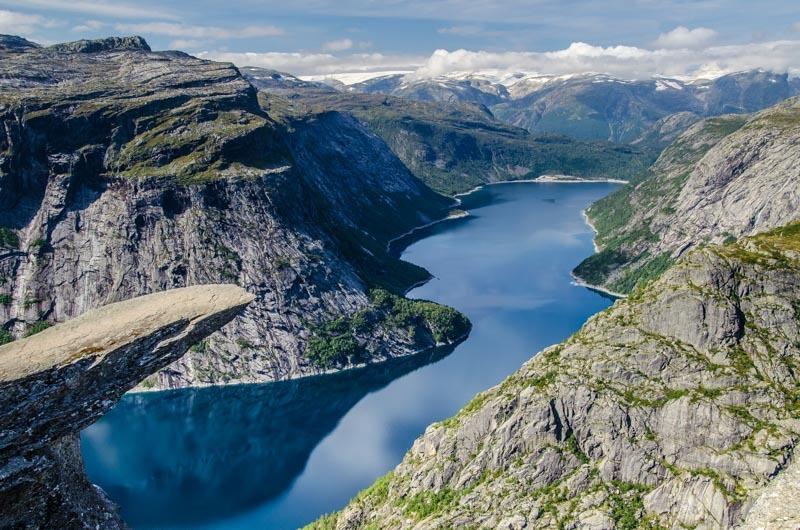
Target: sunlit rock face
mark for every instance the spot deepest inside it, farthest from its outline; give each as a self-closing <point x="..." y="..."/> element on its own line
<point x="55" y="383"/>
<point x="724" y="178"/>
<point x="675" y="408"/>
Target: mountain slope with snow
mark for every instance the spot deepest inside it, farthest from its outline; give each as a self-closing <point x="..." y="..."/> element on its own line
<point x="590" y="106"/>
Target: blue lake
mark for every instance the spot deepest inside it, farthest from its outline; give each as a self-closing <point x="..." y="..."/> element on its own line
<point x="279" y="455"/>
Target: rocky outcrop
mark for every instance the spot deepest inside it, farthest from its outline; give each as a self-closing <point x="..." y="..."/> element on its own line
<point x="125" y="171"/>
<point x="102" y="45"/>
<point x="776" y="508"/>
<point x="55" y="383"/>
<point x="675" y="408"/>
<point x="724" y="178"/>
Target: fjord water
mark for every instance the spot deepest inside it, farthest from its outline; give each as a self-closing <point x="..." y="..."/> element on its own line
<point x="279" y="455"/>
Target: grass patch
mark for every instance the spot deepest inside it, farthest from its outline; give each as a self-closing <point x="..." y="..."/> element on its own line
<point x="626" y="507"/>
<point x="378" y="492"/>
<point x="426" y="503"/>
<point x="573" y="447"/>
<point x="445" y="323"/>
<point x="596" y="268"/>
<point x="37" y="327"/>
<point x="331" y="350"/>
<point x="8" y="238"/>
<point x="326" y="522"/>
<point x="644" y="275"/>
<point x="200" y="347"/>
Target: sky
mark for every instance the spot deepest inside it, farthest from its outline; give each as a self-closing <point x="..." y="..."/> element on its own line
<point x="628" y="38"/>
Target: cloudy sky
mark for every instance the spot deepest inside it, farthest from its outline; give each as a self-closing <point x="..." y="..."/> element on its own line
<point x="630" y="38"/>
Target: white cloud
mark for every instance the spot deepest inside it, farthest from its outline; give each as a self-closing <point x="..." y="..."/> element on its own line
<point x="20" y="23"/>
<point x="683" y="37"/>
<point x="200" y="32"/>
<point x="463" y="31"/>
<point x="626" y="62"/>
<point x="185" y="44"/>
<point x="338" y="45"/>
<point x="89" y="25"/>
<point x="796" y="27"/>
<point x="318" y="63"/>
<point x="102" y="8"/>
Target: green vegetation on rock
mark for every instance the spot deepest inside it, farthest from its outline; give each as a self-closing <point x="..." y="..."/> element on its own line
<point x="624" y="220"/>
<point x="341" y="341"/>
<point x="37" y="327"/>
<point x="8" y="238"/>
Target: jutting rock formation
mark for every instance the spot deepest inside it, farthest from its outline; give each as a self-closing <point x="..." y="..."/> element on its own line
<point x="55" y="383"/>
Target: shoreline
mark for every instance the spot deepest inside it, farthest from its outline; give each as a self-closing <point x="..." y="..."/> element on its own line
<point x="592" y="227"/>
<point x="542" y="179"/>
<point x="577" y="281"/>
<point x="449" y="217"/>
<point x="558" y="179"/>
<point x="331" y="371"/>
<point x="418" y="284"/>
<point x="569" y="179"/>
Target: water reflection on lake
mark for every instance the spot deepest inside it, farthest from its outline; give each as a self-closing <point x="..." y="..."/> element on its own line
<point x="279" y="455"/>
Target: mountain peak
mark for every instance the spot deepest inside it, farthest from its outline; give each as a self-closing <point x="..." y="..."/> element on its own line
<point x="14" y="42"/>
<point x="134" y="42"/>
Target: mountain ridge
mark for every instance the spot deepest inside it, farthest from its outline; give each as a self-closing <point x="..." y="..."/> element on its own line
<point x="593" y="106"/>
<point x="455" y="147"/>
<point x="716" y="182"/>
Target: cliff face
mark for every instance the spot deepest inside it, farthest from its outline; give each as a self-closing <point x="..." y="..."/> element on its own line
<point x="675" y="408"/>
<point x="63" y="379"/>
<point x="124" y="172"/>
<point x="724" y="178"/>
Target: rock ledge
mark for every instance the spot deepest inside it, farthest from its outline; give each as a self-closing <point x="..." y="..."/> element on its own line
<point x="57" y="382"/>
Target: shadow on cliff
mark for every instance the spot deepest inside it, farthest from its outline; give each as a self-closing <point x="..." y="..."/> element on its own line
<point x="188" y="456"/>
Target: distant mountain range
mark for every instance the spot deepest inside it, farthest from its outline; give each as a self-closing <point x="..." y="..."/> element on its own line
<point x="453" y="147"/>
<point x="589" y="106"/>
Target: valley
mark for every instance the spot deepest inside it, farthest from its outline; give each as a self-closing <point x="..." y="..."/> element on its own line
<point x="332" y="295"/>
<point x="506" y="267"/>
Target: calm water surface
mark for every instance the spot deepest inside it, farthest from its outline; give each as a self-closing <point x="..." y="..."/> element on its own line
<point x="279" y="455"/>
